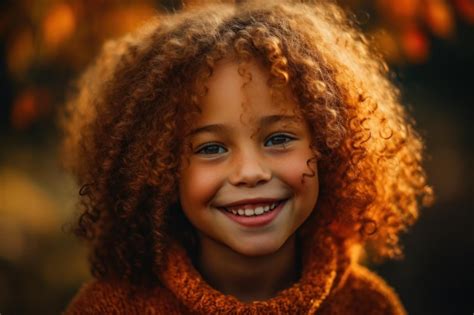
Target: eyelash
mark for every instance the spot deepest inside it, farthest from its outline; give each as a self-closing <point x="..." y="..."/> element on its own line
<point x="280" y="135"/>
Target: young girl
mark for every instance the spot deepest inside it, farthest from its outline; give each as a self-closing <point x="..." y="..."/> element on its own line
<point x="241" y="159"/>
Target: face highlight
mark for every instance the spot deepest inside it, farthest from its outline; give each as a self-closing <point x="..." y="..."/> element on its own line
<point x="249" y="154"/>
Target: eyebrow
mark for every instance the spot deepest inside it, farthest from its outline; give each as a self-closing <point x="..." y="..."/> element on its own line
<point x="264" y="122"/>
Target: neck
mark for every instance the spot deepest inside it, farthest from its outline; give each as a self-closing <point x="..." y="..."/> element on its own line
<point x="248" y="278"/>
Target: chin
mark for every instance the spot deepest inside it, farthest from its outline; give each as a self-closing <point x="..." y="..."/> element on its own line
<point x="258" y="247"/>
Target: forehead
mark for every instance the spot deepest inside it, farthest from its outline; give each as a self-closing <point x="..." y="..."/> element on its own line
<point x="241" y="91"/>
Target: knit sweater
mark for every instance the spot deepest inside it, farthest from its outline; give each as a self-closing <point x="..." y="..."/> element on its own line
<point x="329" y="284"/>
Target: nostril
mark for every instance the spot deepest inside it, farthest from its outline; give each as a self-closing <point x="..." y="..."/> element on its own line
<point x="250" y="175"/>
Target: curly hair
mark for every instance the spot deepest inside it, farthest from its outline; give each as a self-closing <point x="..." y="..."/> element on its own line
<point x="125" y="126"/>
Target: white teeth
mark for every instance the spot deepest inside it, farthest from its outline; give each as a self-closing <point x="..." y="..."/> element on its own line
<point x="259" y="210"/>
<point x="254" y="212"/>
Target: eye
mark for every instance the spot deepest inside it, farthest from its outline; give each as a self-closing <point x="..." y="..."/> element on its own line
<point x="211" y="149"/>
<point x="278" y="139"/>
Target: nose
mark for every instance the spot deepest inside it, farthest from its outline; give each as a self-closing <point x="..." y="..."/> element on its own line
<point x="249" y="170"/>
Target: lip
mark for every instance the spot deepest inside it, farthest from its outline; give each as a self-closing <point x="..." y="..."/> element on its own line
<point x="256" y="221"/>
<point x="249" y="202"/>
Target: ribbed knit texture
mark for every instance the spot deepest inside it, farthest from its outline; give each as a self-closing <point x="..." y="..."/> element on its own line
<point x="330" y="284"/>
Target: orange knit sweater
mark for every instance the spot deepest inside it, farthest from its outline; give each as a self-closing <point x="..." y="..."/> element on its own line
<point x="329" y="284"/>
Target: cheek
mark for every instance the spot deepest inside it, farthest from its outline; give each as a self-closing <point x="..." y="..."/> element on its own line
<point x="291" y="170"/>
<point x="197" y="186"/>
<point x="305" y="189"/>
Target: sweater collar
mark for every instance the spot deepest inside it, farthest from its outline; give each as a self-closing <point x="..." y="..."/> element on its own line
<point x="321" y="272"/>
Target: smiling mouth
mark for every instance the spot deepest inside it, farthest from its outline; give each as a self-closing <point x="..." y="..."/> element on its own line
<point x="252" y="210"/>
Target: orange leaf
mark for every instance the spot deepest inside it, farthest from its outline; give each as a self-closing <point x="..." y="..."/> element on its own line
<point x="415" y="45"/>
<point x="58" y="25"/>
<point x="466" y="9"/>
<point x="439" y="18"/>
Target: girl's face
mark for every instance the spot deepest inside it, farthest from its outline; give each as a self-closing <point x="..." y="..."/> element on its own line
<point x="248" y="155"/>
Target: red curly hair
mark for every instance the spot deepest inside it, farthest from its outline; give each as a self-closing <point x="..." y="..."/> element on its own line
<point x="125" y="128"/>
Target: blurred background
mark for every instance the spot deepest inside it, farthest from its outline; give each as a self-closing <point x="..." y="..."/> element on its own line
<point x="45" y="44"/>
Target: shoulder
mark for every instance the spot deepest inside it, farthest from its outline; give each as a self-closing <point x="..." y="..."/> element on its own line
<point x="113" y="297"/>
<point x="365" y="292"/>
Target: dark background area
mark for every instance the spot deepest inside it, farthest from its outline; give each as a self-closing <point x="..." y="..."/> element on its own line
<point x="44" y="45"/>
<point x="437" y="274"/>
